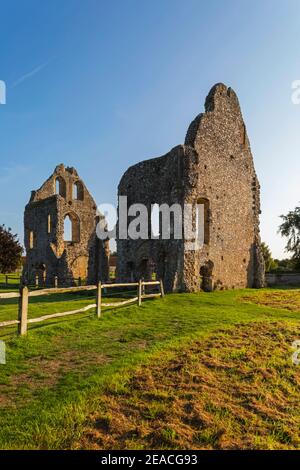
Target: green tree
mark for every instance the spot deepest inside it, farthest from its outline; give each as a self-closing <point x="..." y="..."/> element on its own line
<point x="290" y="228"/>
<point x="10" y="251"/>
<point x="285" y="265"/>
<point x="270" y="263"/>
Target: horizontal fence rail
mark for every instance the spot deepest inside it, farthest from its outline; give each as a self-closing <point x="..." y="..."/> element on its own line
<point x="10" y="295"/>
<point x="9" y="322"/>
<point x="38" y="281"/>
<point x="14" y="278"/>
<point x="24" y="296"/>
<point x="63" y="314"/>
<point x="60" y="290"/>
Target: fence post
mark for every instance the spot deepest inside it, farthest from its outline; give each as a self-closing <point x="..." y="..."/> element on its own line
<point x="55" y="281"/>
<point x="36" y="281"/>
<point x="23" y="311"/>
<point x="140" y="292"/>
<point x="99" y="296"/>
<point x="162" y="291"/>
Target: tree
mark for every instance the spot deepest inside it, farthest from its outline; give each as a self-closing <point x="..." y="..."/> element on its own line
<point x="269" y="262"/>
<point x="10" y="251"/>
<point x="285" y="265"/>
<point x="290" y="228"/>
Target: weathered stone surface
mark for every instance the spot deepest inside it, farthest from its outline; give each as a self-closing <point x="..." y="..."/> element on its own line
<point x="47" y="253"/>
<point x="214" y="167"/>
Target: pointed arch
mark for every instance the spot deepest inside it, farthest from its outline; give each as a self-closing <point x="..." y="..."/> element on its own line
<point x="71" y="228"/>
<point x="60" y="186"/>
<point x="78" y="191"/>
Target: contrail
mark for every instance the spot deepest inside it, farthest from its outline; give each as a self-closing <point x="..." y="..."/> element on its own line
<point x="28" y="75"/>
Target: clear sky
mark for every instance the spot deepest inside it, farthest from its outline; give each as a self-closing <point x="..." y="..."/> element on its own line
<point x="101" y="85"/>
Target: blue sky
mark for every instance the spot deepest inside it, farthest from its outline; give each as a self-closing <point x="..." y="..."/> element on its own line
<point x="101" y="85"/>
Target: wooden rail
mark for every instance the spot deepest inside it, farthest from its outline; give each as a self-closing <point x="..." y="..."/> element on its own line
<point x="60" y="290"/>
<point x="124" y="284"/>
<point x="24" y="296"/>
<point x="137" y="299"/>
<point x="7" y="277"/>
<point x="10" y="295"/>
<point x="63" y="314"/>
<point x="117" y="304"/>
<point x="9" y="322"/>
<point x="36" y="281"/>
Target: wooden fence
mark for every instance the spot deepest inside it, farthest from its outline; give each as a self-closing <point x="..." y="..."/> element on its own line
<point x="8" y="280"/>
<point x="24" y="296"/>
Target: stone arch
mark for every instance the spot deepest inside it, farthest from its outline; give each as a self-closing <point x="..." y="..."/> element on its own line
<point x="79" y="267"/>
<point x="147" y="269"/>
<point x="41" y="273"/>
<point x="60" y="186"/>
<point x="162" y="261"/>
<point x="206" y="273"/>
<point x="71" y="227"/>
<point x="130" y="271"/>
<point x="78" y="191"/>
<point x="32" y="239"/>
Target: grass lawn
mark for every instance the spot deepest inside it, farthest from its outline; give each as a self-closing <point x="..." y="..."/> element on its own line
<point x="208" y="370"/>
<point x="13" y="282"/>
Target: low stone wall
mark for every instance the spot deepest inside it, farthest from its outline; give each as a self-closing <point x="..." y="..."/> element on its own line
<point x="283" y="279"/>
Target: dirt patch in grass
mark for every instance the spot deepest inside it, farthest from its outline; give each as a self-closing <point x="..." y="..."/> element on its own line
<point x="286" y="299"/>
<point x="44" y="372"/>
<point x="237" y="389"/>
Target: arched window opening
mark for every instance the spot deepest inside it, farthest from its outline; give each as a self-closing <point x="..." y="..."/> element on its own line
<point x="162" y="264"/>
<point x="206" y="274"/>
<point x="67" y="229"/>
<point x="60" y="186"/>
<point x="71" y="228"/>
<point x="49" y="224"/>
<point x="78" y="191"/>
<point x="202" y="221"/>
<point x="152" y="270"/>
<point x="147" y="269"/>
<point x="31" y="239"/>
<point x="130" y="270"/>
<point x="243" y="135"/>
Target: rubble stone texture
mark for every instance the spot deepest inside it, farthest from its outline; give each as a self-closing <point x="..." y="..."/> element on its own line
<point x="213" y="168"/>
<point x="48" y="254"/>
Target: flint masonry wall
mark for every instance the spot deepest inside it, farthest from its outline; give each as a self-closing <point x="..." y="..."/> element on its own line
<point x="47" y="253"/>
<point x="215" y="168"/>
<point x="157" y="181"/>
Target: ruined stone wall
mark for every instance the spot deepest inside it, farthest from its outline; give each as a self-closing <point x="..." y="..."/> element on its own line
<point x="214" y="167"/>
<point x="227" y="179"/>
<point x="47" y="253"/>
<point x="155" y="181"/>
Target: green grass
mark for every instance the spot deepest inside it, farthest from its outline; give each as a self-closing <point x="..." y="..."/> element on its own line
<point x="13" y="282"/>
<point x="55" y="378"/>
<point x="207" y="396"/>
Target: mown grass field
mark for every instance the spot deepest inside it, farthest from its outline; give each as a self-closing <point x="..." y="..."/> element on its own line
<point x="190" y="371"/>
<point x="13" y="282"/>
